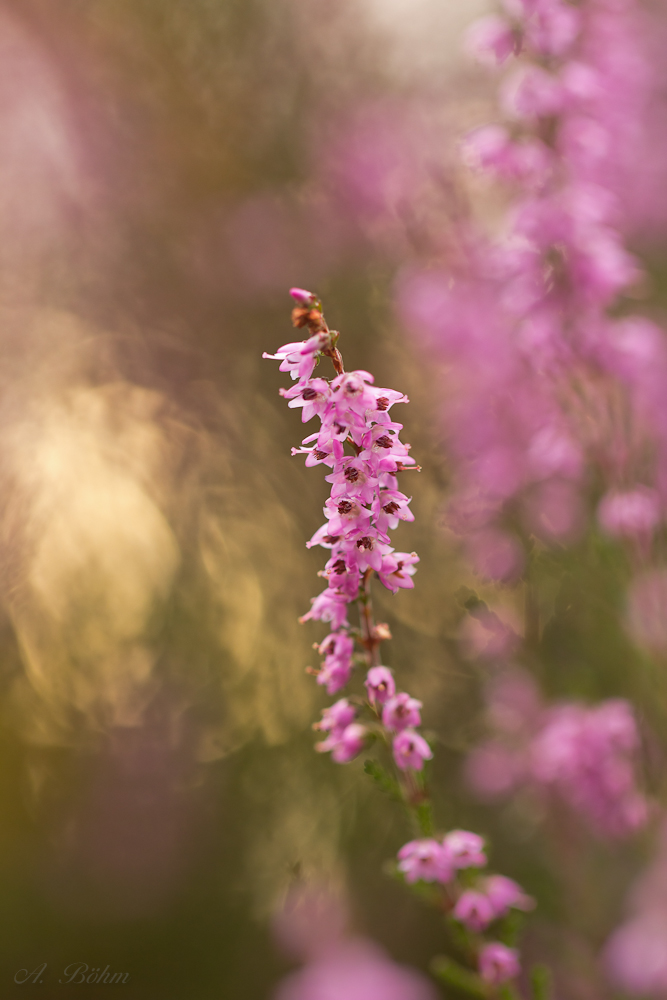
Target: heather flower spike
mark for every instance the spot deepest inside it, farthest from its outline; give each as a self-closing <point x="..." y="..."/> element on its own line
<point x="358" y="442"/>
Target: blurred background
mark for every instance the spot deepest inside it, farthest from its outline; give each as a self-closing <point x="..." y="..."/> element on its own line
<point x="167" y="171"/>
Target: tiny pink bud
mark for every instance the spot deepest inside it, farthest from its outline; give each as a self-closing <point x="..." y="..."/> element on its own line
<point x="303" y="296"/>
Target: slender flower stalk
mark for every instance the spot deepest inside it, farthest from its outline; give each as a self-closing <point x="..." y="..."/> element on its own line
<point x="359" y="441"/>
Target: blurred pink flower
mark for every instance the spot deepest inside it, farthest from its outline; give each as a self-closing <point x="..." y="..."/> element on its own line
<point x="465" y="849"/>
<point x="498" y="963"/>
<point x="631" y="513"/>
<point x="425" y="860"/>
<point x="410" y="750"/>
<point x="355" y="970"/>
<point x="474" y="910"/>
<point x="401" y="712"/>
<point x="504" y="894"/>
<point x="380" y="685"/>
<point x="345" y="744"/>
<point x="586" y="755"/>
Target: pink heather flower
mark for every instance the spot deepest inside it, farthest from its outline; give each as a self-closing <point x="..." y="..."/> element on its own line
<point x="383" y="449"/>
<point x="318" y="342"/>
<point x="497" y="963"/>
<point x="466" y="849"/>
<point x="426" y="861"/>
<point x="347" y="517"/>
<point x="337" y="644"/>
<point x="354" y="478"/>
<point x="630" y="514"/>
<point x="492" y="40"/>
<point x="473" y="910"/>
<point x="337" y="717"/>
<point x="292" y="360"/>
<point x="328" y="607"/>
<point x="370" y="552"/>
<point x="325" y="451"/>
<point x="505" y="894"/>
<point x="380" y="685"/>
<point x="334" y="675"/>
<point x="342" y="573"/>
<point x="390" y="507"/>
<point x="312" y="394"/>
<point x="352" y="395"/>
<point x="384" y="400"/>
<point x="401" y="712"/>
<point x="397" y="570"/>
<point x="345" y="744"/>
<point x="411" y="750"/>
<point x="355" y="970"/>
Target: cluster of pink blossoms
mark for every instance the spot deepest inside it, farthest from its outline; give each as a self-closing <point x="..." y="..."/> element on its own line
<point x="397" y="712"/>
<point x="359" y="442"/>
<point x="546" y="382"/>
<point x="586" y="755"/>
<point x="476" y="905"/>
